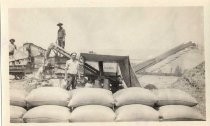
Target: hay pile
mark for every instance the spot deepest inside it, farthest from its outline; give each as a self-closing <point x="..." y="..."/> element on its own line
<point x="193" y="82"/>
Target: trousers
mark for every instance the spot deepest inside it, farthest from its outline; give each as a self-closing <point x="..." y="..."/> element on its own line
<point x="71" y="81"/>
<point x="61" y="42"/>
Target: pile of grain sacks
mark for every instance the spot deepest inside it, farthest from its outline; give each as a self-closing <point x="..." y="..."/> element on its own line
<point x="54" y="104"/>
<point x="92" y="105"/>
<point x="135" y="104"/>
<point x="176" y="105"/>
<point x="139" y="104"/>
<point x="17" y="105"/>
<point x="44" y="104"/>
<point x="47" y="104"/>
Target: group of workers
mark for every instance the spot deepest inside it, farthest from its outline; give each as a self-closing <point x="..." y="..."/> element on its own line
<point x="73" y="66"/>
<point x="74" y="69"/>
<point x="60" y="40"/>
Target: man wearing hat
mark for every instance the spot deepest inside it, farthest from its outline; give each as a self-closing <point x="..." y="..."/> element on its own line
<point x="71" y="71"/>
<point x="61" y="35"/>
<point x="12" y="47"/>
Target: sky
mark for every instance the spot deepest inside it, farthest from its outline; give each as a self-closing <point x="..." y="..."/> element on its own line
<point x="140" y="32"/>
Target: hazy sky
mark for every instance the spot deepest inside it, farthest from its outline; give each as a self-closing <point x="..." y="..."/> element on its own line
<point x="139" y="32"/>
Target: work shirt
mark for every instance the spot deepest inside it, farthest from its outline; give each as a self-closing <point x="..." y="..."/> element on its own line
<point x="12" y="47"/>
<point x="72" y="66"/>
<point x="61" y="33"/>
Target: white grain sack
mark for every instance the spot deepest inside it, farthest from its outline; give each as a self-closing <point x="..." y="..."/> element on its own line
<point x="134" y="95"/>
<point x="92" y="113"/>
<point x="136" y="112"/>
<point x="16" y="114"/>
<point x="175" y="97"/>
<point x="47" y="114"/>
<point x="91" y="96"/>
<point x="179" y="113"/>
<point x="17" y="97"/>
<point x="48" y="96"/>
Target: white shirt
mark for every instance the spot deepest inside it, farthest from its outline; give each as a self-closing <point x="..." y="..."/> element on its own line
<point x="72" y="66"/>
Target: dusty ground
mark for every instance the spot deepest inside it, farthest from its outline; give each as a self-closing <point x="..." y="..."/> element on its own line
<point x="30" y="84"/>
<point x="158" y="81"/>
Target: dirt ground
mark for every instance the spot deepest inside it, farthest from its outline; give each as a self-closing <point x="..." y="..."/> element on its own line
<point x="158" y="81"/>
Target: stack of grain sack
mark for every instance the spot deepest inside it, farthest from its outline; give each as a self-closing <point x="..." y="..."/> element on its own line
<point x="139" y="104"/>
<point x="91" y="105"/>
<point x="135" y="104"/>
<point x="17" y="105"/>
<point x="177" y="105"/>
<point x="54" y="104"/>
<point x="47" y="105"/>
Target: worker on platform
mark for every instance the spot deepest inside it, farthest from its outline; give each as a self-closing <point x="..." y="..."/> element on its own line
<point x="71" y="71"/>
<point x="61" y="35"/>
<point x="12" y="48"/>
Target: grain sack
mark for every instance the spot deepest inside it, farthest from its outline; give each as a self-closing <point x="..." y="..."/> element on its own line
<point x="16" y="114"/>
<point x="47" y="114"/>
<point x="17" y="97"/>
<point x="136" y="112"/>
<point x="48" y="96"/>
<point x="175" y="97"/>
<point x="134" y="95"/>
<point x="92" y="113"/>
<point x="179" y="113"/>
<point x="91" y="96"/>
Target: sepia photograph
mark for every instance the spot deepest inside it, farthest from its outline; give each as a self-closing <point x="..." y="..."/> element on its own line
<point x="106" y="64"/>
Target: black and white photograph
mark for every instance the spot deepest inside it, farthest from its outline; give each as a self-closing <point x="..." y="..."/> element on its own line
<point x="106" y="64"/>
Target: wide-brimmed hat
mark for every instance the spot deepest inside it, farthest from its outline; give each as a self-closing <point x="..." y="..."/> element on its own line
<point x="59" y="24"/>
<point x="12" y="40"/>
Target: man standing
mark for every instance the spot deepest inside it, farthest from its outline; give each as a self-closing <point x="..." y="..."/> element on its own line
<point x="71" y="71"/>
<point x="12" y="47"/>
<point x="81" y="69"/>
<point x="61" y="35"/>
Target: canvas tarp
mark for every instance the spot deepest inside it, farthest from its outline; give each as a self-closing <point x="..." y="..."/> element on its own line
<point x="124" y="64"/>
